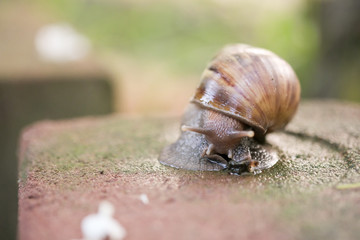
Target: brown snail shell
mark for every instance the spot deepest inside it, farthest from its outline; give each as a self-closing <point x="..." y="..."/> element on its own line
<point x="254" y="92"/>
<point x="251" y="84"/>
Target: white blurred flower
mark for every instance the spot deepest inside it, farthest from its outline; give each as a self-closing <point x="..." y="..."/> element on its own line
<point x="61" y="43"/>
<point x="102" y="225"/>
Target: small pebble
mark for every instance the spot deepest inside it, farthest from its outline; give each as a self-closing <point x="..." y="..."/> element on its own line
<point x="144" y="199"/>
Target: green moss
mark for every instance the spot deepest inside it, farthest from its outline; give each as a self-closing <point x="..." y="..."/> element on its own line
<point x="185" y="37"/>
<point x="122" y="146"/>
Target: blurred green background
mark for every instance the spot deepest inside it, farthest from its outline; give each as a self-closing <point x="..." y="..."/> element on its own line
<point x="165" y="45"/>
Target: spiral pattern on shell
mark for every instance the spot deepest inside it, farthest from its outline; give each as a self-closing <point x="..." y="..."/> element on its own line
<point x="251" y="84"/>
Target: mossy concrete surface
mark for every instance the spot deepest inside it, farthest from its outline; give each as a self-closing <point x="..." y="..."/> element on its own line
<point x="68" y="167"/>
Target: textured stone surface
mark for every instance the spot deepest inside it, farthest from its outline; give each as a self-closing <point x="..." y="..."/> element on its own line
<point x="68" y="167"/>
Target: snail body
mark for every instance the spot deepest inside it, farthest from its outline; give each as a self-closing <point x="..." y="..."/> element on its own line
<point x="244" y="94"/>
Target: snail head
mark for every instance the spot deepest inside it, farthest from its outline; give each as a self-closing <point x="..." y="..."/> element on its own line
<point x="222" y="132"/>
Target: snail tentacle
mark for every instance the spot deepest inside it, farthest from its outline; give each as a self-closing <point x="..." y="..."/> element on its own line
<point x="195" y="129"/>
<point x="230" y="153"/>
<point x="210" y="149"/>
<point x="240" y="134"/>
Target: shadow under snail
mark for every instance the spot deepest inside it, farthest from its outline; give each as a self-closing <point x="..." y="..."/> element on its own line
<point x="244" y="94"/>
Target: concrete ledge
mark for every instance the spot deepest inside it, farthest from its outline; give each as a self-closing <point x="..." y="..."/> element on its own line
<point x="68" y="167"/>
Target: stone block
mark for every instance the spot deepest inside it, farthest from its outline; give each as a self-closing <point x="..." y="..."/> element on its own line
<point x="68" y="167"/>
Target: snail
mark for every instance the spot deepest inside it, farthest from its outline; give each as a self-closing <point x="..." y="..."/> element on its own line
<point x="245" y="93"/>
